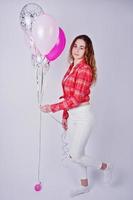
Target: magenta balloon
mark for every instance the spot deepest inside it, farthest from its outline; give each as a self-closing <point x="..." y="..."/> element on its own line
<point x="58" y="47"/>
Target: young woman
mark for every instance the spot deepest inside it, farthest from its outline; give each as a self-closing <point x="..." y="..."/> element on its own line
<point x="77" y="117"/>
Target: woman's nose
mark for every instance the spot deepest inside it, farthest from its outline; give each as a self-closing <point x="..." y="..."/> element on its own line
<point x="77" y="50"/>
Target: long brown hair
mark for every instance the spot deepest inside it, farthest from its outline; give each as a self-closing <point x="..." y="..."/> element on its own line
<point x="89" y="54"/>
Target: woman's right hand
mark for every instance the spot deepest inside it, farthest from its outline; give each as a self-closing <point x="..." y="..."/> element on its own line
<point x="64" y="124"/>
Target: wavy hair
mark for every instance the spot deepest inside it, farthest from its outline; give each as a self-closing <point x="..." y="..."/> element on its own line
<point x="89" y="54"/>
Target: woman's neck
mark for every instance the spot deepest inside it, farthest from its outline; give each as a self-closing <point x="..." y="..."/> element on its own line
<point x="75" y="62"/>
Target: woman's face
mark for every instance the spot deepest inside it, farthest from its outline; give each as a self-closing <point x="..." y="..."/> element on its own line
<point x="78" y="50"/>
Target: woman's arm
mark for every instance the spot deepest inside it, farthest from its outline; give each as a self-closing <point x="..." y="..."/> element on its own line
<point x="81" y="88"/>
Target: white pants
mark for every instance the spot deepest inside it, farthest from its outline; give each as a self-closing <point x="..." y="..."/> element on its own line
<point x="80" y="124"/>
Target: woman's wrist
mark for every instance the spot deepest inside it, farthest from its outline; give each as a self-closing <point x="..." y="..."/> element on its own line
<point x="52" y="107"/>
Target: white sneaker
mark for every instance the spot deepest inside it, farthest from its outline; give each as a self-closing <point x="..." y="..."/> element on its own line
<point x="107" y="174"/>
<point x="80" y="190"/>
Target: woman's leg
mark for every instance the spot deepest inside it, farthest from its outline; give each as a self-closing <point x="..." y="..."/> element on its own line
<point x="83" y="175"/>
<point x="88" y="161"/>
<point x="79" y="137"/>
<point x="83" y="186"/>
<point x="78" y="157"/>
<point x="80" y="131"/>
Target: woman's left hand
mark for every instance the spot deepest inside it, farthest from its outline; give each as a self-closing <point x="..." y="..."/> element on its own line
<point x="45" y="108"/>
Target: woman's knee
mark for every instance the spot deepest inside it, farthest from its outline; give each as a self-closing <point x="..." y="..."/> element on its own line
<point x="74" y="158"/>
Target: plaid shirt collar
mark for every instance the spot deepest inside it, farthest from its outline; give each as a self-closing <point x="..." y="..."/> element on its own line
<point x="79" y="65"/>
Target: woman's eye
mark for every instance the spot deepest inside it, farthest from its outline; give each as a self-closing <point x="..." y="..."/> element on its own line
<point x="82" y="48"/>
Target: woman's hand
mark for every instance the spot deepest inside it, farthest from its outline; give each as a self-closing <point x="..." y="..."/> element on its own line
<point x="64" y="124"/>
<point x="45" y="108"/>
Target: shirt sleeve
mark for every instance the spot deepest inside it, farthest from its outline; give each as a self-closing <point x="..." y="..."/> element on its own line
<point x="81" y="89"/>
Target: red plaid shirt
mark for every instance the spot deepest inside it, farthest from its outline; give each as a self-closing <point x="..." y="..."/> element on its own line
<point x="76" y="87"/>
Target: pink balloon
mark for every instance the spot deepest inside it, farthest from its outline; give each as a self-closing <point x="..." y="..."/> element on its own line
<point x="45" y="33"/>
<point x="38" y="187"/>
<point x="58" y="47"/>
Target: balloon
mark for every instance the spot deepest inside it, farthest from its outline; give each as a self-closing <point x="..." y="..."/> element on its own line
<point x="45" y="33"/>
<point x="28" y="15"/>
<point x="59" y="46"/>
<point x="38" y="187"/>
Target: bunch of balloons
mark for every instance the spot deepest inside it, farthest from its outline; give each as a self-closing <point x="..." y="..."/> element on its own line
<point x="47" y="41"/>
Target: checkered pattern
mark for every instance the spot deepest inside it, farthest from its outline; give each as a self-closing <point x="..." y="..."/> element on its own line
<point x="76" y="87"/>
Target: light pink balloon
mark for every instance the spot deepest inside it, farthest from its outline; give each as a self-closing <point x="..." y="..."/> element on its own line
<point x="45" y="33"/>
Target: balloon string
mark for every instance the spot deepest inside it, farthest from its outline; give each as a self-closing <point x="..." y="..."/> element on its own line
<point x="39" y="98"/>
<point x="39" y="156"/>
<point x="59" y="122"/>
<point x="40" y="93"/>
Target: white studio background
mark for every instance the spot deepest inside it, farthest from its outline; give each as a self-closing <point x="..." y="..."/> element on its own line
<point x="110" y="26"/>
